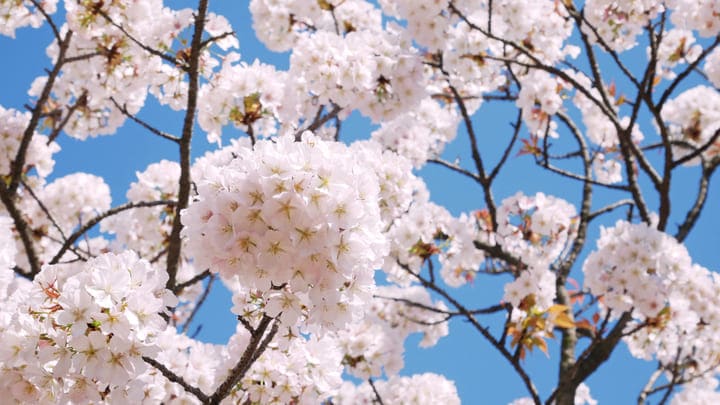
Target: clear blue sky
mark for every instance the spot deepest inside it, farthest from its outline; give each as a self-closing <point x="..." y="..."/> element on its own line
<point x="480" y="374"/>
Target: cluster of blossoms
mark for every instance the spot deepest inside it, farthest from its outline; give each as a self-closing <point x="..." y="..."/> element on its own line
<point x="377" y="344"/>
<point x="341" y="56"/>
<point x="699" y="15"/>
<point x="68" y="203"/>
<point x="425" y="388"/>
<point x="675" y="303"/>
<point x="106" y="66"/>
<point x="461" y="258"/>
<point x="109" y="64"/>
<point x="7" y="255"/>
<point x="693" y="118"/>
<point x="375" y="72"/>
<point x="421" y="133"/>
<point x="633" y="267"/>
<point x="241" y="94"/>
<point x="427" y="229"/>
<point x="398" y="185"/>
<point x="535" y="230"/>
<point x="687" y="330"/>
<point x="296" y="221"/>
<point x="619" y="23"/>
<point x="712" y="67"/>
<point x="18" y="14"/>
<point x="427" y="22"/>
<point x="601" y="131"/>
<point x="542" y="27"/>
<point x="606" y="169"/>
<point x="467" y="59"/>
<point x="678" y="46"/>
<point x="466" y="66"/>
<point x="281" y="24"/>
<point x="78" y="333"/>
<point x="40" y="150"/>
<point x="539" y="98"/>
<point x="698" y="391"/>
<point x="203" y="365"/>
<point x="306" y="372"/>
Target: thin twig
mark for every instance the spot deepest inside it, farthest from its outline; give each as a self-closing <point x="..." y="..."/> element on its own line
<point x="94" y="221"/>
<point x="198" y="304"/>
<point x="610" y="207"/>
<point x="318" y="121"/>
<point x="137" y="42"/>
<point x="144" y="124"/>
<point x="199" y="277"/>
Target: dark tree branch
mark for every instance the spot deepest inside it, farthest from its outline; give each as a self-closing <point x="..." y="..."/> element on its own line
<point x="44" y="209"/>
<point x="56" y="131"/>
<point x="378" y="398"/>
<point x="698" y="151"/>
<point x="318" y="121"/>
<point x="48" y="18"/>
<point x="255" y="348"/>
<point x="569" y="335"/>
<point x="484" y="181"/>
<point x="456" y="168"/>
<point x="22" y="228"/>
<point x="210" y="40"/>
<point x="610" y="207"/>
<point x="516" y="132"/>
<point x="694" y="213"/>
<point x="176" y="379"/>
<point x="17" y="165"/>
<point x="199" y="277"/>
<point x="193" y="70"/>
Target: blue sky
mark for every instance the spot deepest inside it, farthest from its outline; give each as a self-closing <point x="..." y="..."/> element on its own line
<point x="481" y="375"/>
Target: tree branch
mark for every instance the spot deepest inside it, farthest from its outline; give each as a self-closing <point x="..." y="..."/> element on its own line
<point x="254" y="349"/>
<point x="176" y="379"/>
<point x="175" y="242"/>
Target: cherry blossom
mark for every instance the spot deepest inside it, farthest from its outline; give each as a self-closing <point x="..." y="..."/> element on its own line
<point x="18" y="14"/>
<point x="281" y="217"/>
<point x="82" y="326"/>
<point x="40" y="150"/>
<point x="694" y="118"/>
<point x="425" y="388"/>
<point x="419" y="134"/>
